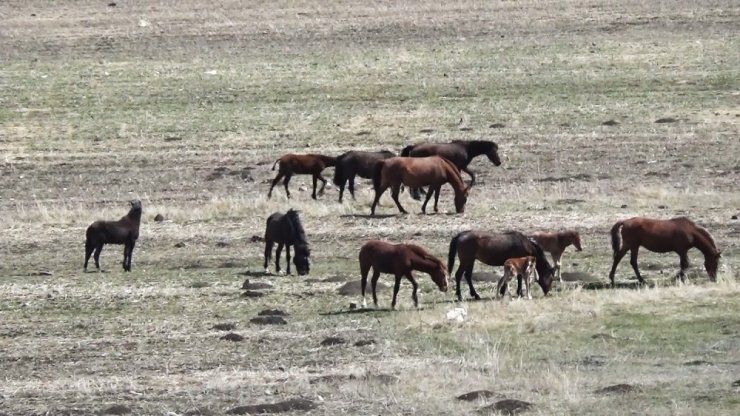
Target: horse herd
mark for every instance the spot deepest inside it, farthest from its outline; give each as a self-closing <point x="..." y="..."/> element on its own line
<point x="432" y="165"/>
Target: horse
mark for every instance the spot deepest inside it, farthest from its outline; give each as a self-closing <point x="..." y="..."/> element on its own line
<point x="556" y="243"/>
<point x="399" y="260"/>
<point x="494" y="249"/>
<point x="286" y="229"/>
<point x="124" y="231"/>
<point x="662" y="236"/>
<point x="356" y="163"/>
<point x="521" y="267"/>
<point x="459" y="152"/>
<point x="309" y="164"/>
<point x="433" y="171"/>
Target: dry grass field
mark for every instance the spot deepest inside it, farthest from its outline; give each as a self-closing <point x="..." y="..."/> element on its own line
<point x="187" y="104"/>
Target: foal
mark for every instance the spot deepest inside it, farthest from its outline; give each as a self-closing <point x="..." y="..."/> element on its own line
<point x="124" y="231"/>
<point x="310" y="164"/>
<point x="556" y="243"/>
<point x="521" y="267"/>
<point x="400" y="260"/>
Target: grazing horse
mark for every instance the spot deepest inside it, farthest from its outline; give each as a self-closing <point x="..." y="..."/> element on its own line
<point x="521" y="267"/>
<point x="124" y="231"/>
<point x="310" y="164"/>
<point x="356" y="163"/>
<point x="459" y="152"/>
<point x="286" y="229"/>
<point x="433" y="171"/>
<point x="662" y="236"/>
<point x="494" y="249"/>
<point x="556" y="243"/>
<point x="399" y="260"/>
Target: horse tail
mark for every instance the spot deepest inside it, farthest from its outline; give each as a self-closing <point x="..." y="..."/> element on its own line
<point x="378" y="175"/>
<point x="276" y="162"/>
<point x="616" y="243"/>
<point x="406" y="151"/>
<point x="339" y="171"/>
<point x="453" y="252"/>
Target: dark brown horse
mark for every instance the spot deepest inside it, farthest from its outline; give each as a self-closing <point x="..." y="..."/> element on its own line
<point x="459" y="152"/>
<point x="433" y="171"/>
<point x="310" y="164"/>
<point x="678" y="235"/>
<point x="287" y="230"/>
<point x="556" y="243"/>
<point x="399" y="260"/>
<point x="494" y="249"/>
<point x="124" y="231"/>
<point x="356" y="163"/>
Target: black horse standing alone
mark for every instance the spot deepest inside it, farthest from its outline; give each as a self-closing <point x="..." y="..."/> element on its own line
<point x="286" y="229"/>
<point x="124" y="231"/>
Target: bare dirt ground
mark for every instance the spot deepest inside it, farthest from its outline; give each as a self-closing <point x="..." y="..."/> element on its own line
<point x="602" y="110"/>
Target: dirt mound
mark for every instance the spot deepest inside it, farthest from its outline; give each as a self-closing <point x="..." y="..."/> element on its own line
<point x="364" y="342"/>
<point x="354" y="288"/>
<point x="268" y="320"/>
<point x="272" y="312"/>
<point x="247" y="285"/>
<point x="664" y="120"/>
<point x="117" y="409"/>
<point x="333" y="341"/>
<point x="232" y="337"/>
<point x="279" y="407"/>
<point x="341" y="378"/>
<point x="476" y="395"/>
<point x="507" y="407"/>
<point x="252" y="294"/>
<point x="337" y="279"/>
<point x="224" y="327"/>
<point x="617" y="389"/>
<point x="199" y="411"/>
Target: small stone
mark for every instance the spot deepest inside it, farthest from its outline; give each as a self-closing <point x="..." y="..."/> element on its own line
<point x="332" y="341"/>
<point x="159" y="218"/>
<point x="232" y="337"/>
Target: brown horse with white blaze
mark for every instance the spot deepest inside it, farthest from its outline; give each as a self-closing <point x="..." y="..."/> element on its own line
<point x="399" y="260"/>
<point x="309" y="164"/>
<point x="677" y="235"/>
<point x="556" y="243"/>
<point x="433" y="171"/>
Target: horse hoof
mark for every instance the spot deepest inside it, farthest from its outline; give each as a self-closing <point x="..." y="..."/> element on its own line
<point x="476" y="297"/>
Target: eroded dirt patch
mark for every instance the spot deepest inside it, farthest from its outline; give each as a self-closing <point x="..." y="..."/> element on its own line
<point x="291" y="405"/>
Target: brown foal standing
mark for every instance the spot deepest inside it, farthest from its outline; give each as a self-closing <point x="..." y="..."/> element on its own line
<point x="556" y="243"/>
<point x="521" y="267"/>
<point x="293" y="164"/>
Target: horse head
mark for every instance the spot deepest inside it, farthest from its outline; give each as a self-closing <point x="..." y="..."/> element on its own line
<point x="439" y="274"/>
<point x="461" y="199"/>
<point x="493" y="154"/>
<point x="577" y="240"/>
<point x="301" y="259"/>
<point x="711" y="263"/>
<point x="135" y="204"/>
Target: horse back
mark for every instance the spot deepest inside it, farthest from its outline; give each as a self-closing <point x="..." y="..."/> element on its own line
<point x="453" y="152"/>
<point x="658" y="235"/>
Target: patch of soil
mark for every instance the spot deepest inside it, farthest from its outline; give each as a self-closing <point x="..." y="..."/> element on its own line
<point x="272" y="312"/>
<point x="268" y="320"/>
<point x="578" y="277"/>
<point x="697" y="362"/>
<point x="333" y="341"/>
<point x="117" y="409"/>
<point x="232" y="337"/>
<point x="199" y="285"/>
<point x="426" y="131"/>
<point x="485" y="277"/>
<point x="341" y="378"/>
<point x="257" y="239"/>
<point x="199" y="411"/>
<point x="594" y="360"/>
<point x="354" y="288"/>
<point x="224" y="327"/>
<point x="604" y="336"/>
<point x="736" y="383"/>
<point x="279" y="407"/>
<point x="337" y="279"/>
<point x="617" y="389"/>
<point x="476" y="395"/>
<point x="247" y="285"/>
<point x="666" y="120"/>
<point x="179" y="245"/>
<point x="222" y="244"/>
<point x="569" y="201"/>
<point x="497" y="125"/>
<point x="252" y="294"/>
<point x="507" y="407"/>
<point x="364" y="342"/>
<point x="610" y="123"/>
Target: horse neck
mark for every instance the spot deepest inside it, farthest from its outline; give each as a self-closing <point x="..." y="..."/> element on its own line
<point x="453" y="175"/>
<point x="134" y="216"/>
<point x="543" y="266"/>
<point x="297" y="234"/>
<point x="328" y="160"/>
<point x="476" y="148"/>
<point x="423" y="264"/>
<point x="704" y="242"/>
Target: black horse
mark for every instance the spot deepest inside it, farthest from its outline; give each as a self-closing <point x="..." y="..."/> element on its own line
<point x="286" y="229"/>
<point x="459" y="152"/>
<point x="494" y="249"/>
<point x="124" y="231"/>
<point x="356" y="163"/>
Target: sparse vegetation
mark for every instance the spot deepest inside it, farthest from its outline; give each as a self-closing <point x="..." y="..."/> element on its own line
<point x="186" y="106"/>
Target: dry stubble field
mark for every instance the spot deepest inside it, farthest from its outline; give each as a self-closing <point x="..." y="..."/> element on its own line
<point x="186" y="104"/>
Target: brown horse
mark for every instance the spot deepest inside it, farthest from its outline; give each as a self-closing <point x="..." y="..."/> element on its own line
<point x="556" y="243"/>
<point x="356" y="163"/>
<point x="459" y="152"/>
<point x="433" y="171"/>
<point x="399" y="260"/>
<point x="521" y="267"/>
<point x="662" y="236"/>
<point x="293" y="164"/>
<point x="124" y="231"/>
<point x="494" y="249"/>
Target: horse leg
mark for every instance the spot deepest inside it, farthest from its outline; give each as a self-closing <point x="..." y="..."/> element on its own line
<point x="96" y="256"/>
<point x="287" y="256"/>
<point x="458" y="278"/>
<point x="274" y="182"/>
<point x="268" y="252"/>
<point x="130" y="256"/>
<point x="378" y="193"/>
<point x="364" y="269"/>
<point x="426" y="200"/>
<point x="469" y="278"/>
<point x="436" y="197"/>
<point x="278" y="252"/>
<point x="315" y="179"/>
<point x="395" y="190"/>
<point x="89" y="248"/>
<point x="374" y="282"/>
<point x="323" y="184"/>
<point x="416" y="193"/>
<point x="285" y="183"/>
<point x="469" y="172"/>
<point x="618" y="256"/>
<point x="503" y="283"/>
<point x="556" y="256"/>
<point x="352" y="186"/>
<point x="415" y="285"/>
<point x="684" y="266"/>
<point x="396" y="288"/>
<point x="633" y="261"/>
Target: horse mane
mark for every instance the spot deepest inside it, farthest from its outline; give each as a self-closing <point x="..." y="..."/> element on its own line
<point x="702" y="231"/>
<point x="476" y="146"/>
<point x="454" y="169"/>
<point x="406" y="151"/>
<point x="425" y="257"/>
<point x="299" y="234"/>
